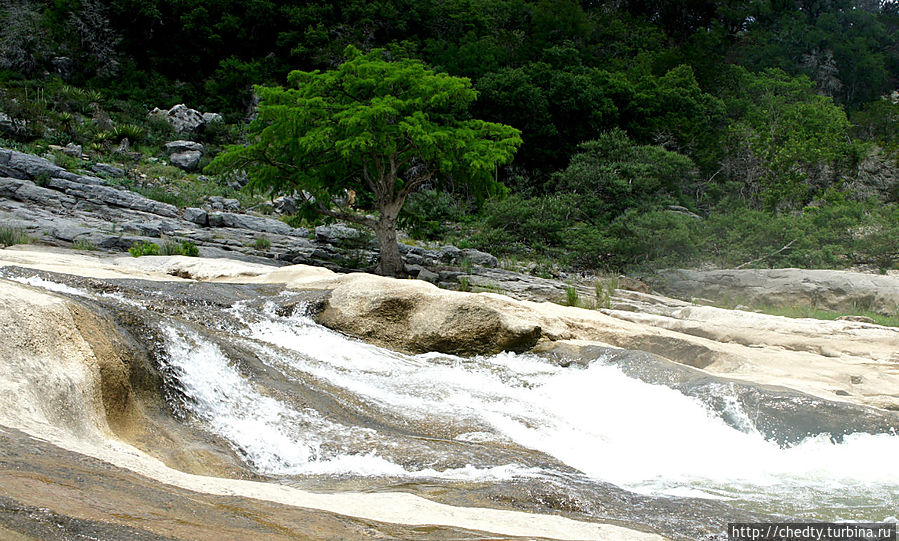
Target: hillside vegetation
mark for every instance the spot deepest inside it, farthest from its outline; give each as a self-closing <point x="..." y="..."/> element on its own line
<point x="682" y="133"/>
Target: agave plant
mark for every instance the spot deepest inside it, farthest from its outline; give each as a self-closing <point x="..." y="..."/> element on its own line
<point x="132" y="132"/>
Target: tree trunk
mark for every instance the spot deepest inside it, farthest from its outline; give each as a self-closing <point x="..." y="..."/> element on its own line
<point x="391" y="261"/>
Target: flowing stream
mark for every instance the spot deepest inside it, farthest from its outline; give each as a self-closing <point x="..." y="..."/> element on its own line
<point x="298" y="401"/>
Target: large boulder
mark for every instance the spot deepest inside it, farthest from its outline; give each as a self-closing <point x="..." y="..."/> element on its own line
<point x="183" y="119"/>
<point x="181" y="145"/>
<point x="189" y="160"/>
<point x="827" y="289"/>
<point x="415" y="316"/>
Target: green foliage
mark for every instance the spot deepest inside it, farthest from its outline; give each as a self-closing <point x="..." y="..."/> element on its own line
<point x="82" y="244"/>
<point x="331" y="130"/>
<point x="132" y="132"/>
<point x="428" y="215"/>
<point x="612" y="174"/>
<point x="787" y="143"/>
<point x="572" y="298"/>
<point x="141" y="248"/>
<point x="169" y="247"/>
<point x="371" y="127"/>
<point x="604" y="289"/>
<point x="262" y="243"/>
<point x="12" y="235"/>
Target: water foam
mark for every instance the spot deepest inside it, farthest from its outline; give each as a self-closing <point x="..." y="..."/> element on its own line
<point x="648" y="438"/>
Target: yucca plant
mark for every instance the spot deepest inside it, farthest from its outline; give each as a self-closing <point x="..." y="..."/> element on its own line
<point x="132" y="132"/>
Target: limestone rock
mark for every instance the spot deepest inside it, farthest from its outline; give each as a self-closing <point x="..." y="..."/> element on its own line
<point x="175" y="147"/>
<point x="480" y="258"/>
<point x="254" y="223"/>
<point x="72" y="150"/>
<point x="841" y="291"/>
<point x="416" y="316"/>
<point x="181" y="117"/>
<point x="108" y="169"/>
<point x="184" y="119"/>
<point x="189" y="161"/>
<point x="195" y="215"/>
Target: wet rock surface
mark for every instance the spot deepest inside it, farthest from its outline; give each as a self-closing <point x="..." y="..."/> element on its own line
<point x="49" y="493"/>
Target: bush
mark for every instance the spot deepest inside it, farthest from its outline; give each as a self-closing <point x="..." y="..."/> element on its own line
<point x="141" y="248"/>
<point x="426" y="214"/>
<point x="12" y="235"/>
<point x="262" y="243"/>
<point x="173" y="247"/>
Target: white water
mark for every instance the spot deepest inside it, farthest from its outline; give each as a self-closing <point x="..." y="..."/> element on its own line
<point x="646" y="438"/>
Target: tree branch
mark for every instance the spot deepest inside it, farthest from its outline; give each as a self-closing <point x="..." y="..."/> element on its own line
<point x="766" y="256"/>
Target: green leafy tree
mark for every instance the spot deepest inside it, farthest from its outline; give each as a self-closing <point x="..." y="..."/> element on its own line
<point x="371" y="127"/>
<point x="788" y="143"/>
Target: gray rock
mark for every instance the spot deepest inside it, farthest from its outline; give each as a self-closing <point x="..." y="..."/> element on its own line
<point x="108" y="169"/>
<point x="428" y="276"/>
<point x="480" y="258"/>
<point x="216" y="219"/>
<point x="184" y="119"/>
<point x="28" y="165"/>
<point x="195" y="215"/>
<point x="877" y="176"/>
<point x="105" y="195"/>
<point x="175" y="147"/>
<point x="450" y="253"/>
<point x="335" y="233"/>
<point x="285" y="205"/>
<point x="186" y="160"/>
<point x="155" y="228"/>
<point x="843" y="291"/>
<point x="72" y="150"/>
<point x="81" y="179"/>
<point x="27" y="191"/>
<point x="69" y="233"/>
<point x="217" y="202"/>
<point x="258" y="224"/>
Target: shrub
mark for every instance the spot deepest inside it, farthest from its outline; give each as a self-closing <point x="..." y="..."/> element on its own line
<point x="189" y="249"/>
<point x="12" y="235"/>
<point x="141" y="248"/>
<point x="262" y="243"/>
<point x="82" y="244"/>
<point x="426" y="214"/>
<point x="132" y="132"/>
<point x="571" y="296"/>
<point x="173" y="247"/>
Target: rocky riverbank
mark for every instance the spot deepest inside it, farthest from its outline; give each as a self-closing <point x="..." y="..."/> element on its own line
<point x="108" y="399"/>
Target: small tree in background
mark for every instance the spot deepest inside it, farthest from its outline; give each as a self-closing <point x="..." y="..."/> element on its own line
<point x="371" y="127"/>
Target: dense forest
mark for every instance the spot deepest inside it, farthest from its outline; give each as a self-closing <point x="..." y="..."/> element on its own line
<point x="655" y="133"/>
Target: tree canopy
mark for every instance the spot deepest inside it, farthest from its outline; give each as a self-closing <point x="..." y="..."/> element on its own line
<point x="375" y="127"/>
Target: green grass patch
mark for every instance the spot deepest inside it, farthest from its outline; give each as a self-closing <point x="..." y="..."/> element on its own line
<point x="12" y="235"/>
<point x="82" y="244"/>
<point x="262" y="243"/>
<point x="829" y="315"/>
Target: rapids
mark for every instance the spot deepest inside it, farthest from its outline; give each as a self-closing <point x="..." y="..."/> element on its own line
<point x="304" y="405"/>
